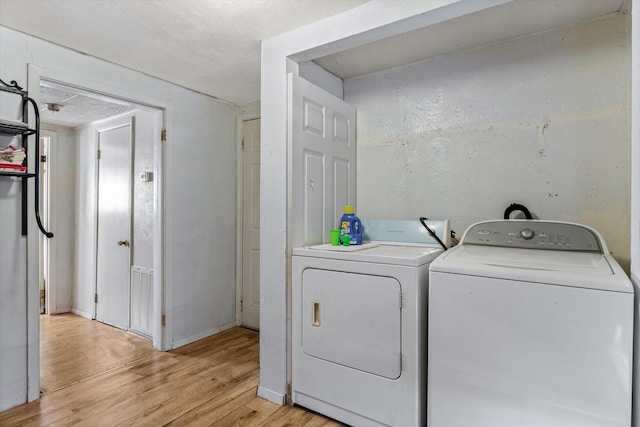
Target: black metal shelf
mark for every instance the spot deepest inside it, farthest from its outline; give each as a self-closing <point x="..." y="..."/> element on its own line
<point x="18" y="174"/>
<point x="21" y="128"/>
<point x="15" y="128"/>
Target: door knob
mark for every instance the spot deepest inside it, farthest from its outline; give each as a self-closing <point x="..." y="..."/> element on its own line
<point x="123" y="243"/>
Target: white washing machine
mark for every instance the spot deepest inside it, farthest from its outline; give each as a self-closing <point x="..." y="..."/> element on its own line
<point x="359" y="325"/>
<point x="530" y="324"/>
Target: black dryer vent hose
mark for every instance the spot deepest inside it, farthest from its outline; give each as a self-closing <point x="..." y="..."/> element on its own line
<point x="517" y="207"/>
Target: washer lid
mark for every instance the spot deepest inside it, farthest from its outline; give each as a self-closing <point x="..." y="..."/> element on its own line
<point x="576" y="269"/>
<point x="378" y="252"/>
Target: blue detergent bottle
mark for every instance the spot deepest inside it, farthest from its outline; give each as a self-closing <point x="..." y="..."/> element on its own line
<point x="351" y="226"/>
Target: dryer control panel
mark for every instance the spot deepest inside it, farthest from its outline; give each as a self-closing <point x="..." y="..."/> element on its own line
<point x="534" y="234"/>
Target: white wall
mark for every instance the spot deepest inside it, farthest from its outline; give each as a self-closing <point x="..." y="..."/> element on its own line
<point x="635" y="200"/>
<point x="198" y="198"/>
<point x="18" y="279"/>
<point x="61" y="165"/>
<point x="200" y="221"/>
<point x="85" y="188"/>
<point x="541" y="120"/>
<point x="635" y="157"/>
<point x="143" y="191"/>
<point x="13" y="296"/>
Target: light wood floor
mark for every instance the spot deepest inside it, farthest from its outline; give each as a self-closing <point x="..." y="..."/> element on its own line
<point x="96" y="375"/>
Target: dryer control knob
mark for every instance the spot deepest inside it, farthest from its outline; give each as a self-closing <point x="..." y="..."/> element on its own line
<point x="527" y="233"/>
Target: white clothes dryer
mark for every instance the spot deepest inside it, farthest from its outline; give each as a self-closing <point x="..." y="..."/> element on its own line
<point x="359" y="326"/>
<point x="530" y="324"/>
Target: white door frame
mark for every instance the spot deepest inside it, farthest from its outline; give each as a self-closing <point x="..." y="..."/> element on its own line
<point x="50" y="302"/>
<point x="250" y="112"/>
<point x="162" y="336"/>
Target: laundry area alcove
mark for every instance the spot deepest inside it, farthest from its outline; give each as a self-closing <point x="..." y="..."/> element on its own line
<point x="462" y="109"/>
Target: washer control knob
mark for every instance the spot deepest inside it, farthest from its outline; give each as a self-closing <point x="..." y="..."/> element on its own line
<point x="527" y="233"/>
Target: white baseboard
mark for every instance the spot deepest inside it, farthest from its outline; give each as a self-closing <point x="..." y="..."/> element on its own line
<point x="227" y="326"/>
<point x="82" y="313"/>
<point x="272" y="396"/>
<point x="208" y="333"/>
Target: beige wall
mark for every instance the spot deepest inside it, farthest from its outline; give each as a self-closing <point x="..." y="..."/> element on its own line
<point x="541" y="120"/>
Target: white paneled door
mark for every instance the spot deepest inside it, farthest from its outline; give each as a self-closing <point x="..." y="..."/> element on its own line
<point x="114" y="224"/>
<point x="323" y="147"/>
<point x="251" y="225"/>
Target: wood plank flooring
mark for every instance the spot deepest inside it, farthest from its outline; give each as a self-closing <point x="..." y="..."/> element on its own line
<point x="93" y="374"/>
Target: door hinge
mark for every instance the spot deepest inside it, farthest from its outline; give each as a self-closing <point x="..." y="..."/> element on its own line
<point x="163" y="135"/>
<point x="95" y="298"/>
<point x="99" y="154"/>
<point x="163" y="320"/>
<point x="43" y="297"/>
<point x="43" y="159"/>
<point x="242" y="145"/>
<point x="241" y="306"/>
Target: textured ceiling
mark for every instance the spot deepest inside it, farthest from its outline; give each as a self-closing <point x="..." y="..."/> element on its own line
<point x="212" y="46"/>
<point x="75" y="108"/>
<point x="506" y="21"/>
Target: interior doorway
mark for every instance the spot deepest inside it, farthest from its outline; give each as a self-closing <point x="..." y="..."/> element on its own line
<point x="82" y="121"/>
<point x="70" y="119"/>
